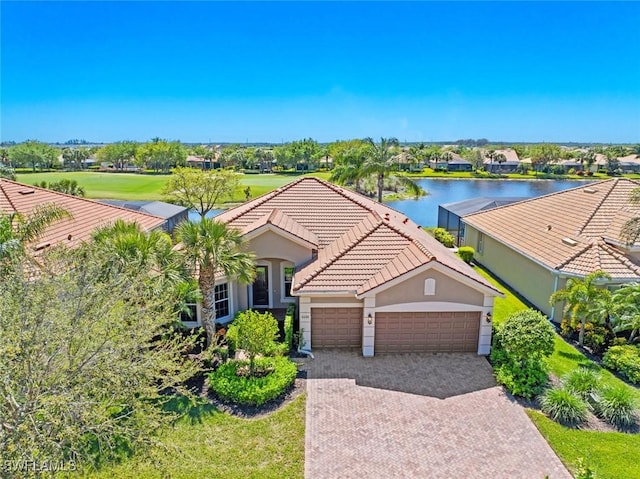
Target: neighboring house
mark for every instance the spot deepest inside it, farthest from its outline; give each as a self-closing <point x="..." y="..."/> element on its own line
<point x="172" y="214"/>
<point x="363" y="275"/>
<point x="449" y="214"/>
<point x="452" y="162"/>
<point x="202" y="163"/>
<point x="629" y="163"/>
<point x="510" y="165"/>
<point x="534" y="246"/>
<point x="87" y="214"/>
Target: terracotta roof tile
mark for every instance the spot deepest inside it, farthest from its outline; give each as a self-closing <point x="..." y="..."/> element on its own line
<point x="564" y="230"/>
<point x="360" y="242"/>
<point x="87" y="215"/>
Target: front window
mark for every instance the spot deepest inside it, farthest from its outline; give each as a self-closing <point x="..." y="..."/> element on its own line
<point x="221" y="300"/>
<point x="189" y="314"/>
<point x="288" y="279"/>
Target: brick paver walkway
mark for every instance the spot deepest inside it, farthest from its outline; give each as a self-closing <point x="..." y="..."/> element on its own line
<point x="357" y="427"/>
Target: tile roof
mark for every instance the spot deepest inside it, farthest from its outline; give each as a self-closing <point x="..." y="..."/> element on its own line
<point x="575" y="231"/>
<point x="87" y="215"/>
<point x="362" y="244"/>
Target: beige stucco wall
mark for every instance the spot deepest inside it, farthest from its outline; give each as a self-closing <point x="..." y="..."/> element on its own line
<point x="272" y="245"/>
<point x="447" y="290"/>
<point x="527" y="278"/>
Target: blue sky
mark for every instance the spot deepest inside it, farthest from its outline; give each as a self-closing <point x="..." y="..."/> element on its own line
<point x="238" y="72"/>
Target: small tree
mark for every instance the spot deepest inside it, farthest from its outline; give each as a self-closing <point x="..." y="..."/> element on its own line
<point x="255" y="333"/>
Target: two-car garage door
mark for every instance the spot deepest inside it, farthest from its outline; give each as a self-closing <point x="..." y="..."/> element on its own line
<point x="427" y="332"/>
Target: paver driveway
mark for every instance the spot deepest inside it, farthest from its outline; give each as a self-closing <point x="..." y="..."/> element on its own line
<point x="417" y="416"/>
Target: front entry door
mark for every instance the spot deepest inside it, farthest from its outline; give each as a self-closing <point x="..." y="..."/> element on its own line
<point x="261" y="287"/>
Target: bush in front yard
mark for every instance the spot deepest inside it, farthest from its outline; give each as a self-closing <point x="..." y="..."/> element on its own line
<point x="582" y="381"/>
<point x="466" y="253"/>
<point x="625" y="360"/>
<point x="564" y="406"/>
<point x="520" y="346"/>
<point x="617" y="405"/>
<point x="231" y="384"/>
<point x="444" y="237"/>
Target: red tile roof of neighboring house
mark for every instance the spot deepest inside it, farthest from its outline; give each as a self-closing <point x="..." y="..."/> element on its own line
<point x="362" y="244"/>
<point x="87" y="215"/>
<point x="575" y="231"/>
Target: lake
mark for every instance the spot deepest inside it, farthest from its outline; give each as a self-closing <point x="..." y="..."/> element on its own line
<point x="424" y="210"/>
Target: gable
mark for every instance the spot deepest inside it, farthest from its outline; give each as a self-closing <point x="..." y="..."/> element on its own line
<point x="272" y="243"/>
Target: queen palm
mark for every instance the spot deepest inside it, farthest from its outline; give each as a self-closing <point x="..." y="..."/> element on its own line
<point x="582" y="298"/>
<point x="348" y="169"/>
<point x="626" y="310"/>
<point x="213" y="248"/>
<point x="380" y="161"/>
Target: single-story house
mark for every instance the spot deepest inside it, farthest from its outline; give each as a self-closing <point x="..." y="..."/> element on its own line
<point x="509" y="165"/>
<point x="362" y="274"/>
<point x="451" y="162"/>
<point x="450" y="214"/>
<point x="87" y="215"/>
<point x="172" y="214"/>
<point x="535" y="245"/>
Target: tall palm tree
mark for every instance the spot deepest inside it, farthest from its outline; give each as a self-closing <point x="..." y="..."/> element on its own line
<point x="380" y="161"/>
<point x="214" y="248"/>
<point x="348" y="169"/>
<point x="581" y="299"/>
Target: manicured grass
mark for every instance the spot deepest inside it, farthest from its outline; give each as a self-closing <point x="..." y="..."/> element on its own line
<point x="208" y="443"/>
<point x="611" y="454"/>
<point x="131" y="186"/>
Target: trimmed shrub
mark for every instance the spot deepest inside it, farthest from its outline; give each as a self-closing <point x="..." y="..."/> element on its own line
<point x="564" y="406"/>
<point x="466" y="253"/>
<point x="597" y="338"/>
<point x="582" y="381"/>
<point x="231" y="381"/>
<point x="526" y="381"/>
<point x="625" y="360"/>
<point x="444" y="237"/>
<point x="288" y="326"/>
<point x="617" y="405"/>
<point x="255" y="333"/>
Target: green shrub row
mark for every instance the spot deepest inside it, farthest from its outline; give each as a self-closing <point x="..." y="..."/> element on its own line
<point x="625" y="360"/>
<point x="253" y="391"/>
<point x="288" y="326"/>
<point x="466" y="253"/>
<point x="444" y="237"/>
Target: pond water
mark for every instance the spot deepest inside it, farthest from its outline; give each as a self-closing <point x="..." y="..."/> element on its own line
<point x="424" y="211"/>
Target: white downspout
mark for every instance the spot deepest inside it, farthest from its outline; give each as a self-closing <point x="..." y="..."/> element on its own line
<point x="553" y="306"/>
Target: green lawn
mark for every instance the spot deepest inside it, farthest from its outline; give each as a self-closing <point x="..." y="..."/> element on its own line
<point x="131" y="186"/>
<point x="612" y="455"/>
<point x="208" y="443"/>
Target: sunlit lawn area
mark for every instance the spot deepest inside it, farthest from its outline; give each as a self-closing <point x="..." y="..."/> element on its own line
<point x="131" y="186"/>
<point x="208" y="443"/>
<point x="611" y="454"/>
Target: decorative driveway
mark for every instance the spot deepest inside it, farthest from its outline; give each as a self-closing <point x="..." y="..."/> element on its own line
<point x="417" y="416"/>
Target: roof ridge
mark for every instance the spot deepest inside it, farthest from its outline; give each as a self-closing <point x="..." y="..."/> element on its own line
<point x="346" y="193"/>
<point x="598" y="206"/>
<point x="618" y="255"/>
<point x="410" y="237"/>
<point x="341" y="252"/>
<point x="6" y="195"/>
<point x="580" y="252"/>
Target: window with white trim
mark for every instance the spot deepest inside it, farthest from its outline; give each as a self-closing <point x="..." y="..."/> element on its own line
<point x="189" y="313"/>
<point x="221" y="300"/>
<point x="287" y="280"/>
<point x="429" y="287"/>
<point x="480" y="245"/>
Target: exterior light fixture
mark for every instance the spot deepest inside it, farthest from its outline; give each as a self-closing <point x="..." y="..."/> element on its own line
<point x="488" y="317"/>
<point x="369" y="319"/>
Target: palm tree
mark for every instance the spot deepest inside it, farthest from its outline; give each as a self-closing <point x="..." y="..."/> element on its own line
<point x="348" y="169"/>
<point x="626" y="310"/>
<point x="214" y="248"/>
<point x="631" y="229"/>
<point x="18" y="230"/>
<point x="380" y="162"/>
<point x="582" y="298"/>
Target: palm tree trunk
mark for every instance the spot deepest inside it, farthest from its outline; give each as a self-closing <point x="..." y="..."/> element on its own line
<point x="207" y="287"/>
<point x="380" y="186"/>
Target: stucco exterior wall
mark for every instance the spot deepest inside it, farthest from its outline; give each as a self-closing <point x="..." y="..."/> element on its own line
<point x="272" y="245"/>
<point x="527" y="278"/>
<point x="447" y="290"/>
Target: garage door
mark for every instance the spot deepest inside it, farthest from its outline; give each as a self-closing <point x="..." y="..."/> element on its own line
<point x="336" y="327"/>
<point x="427" y="332"/>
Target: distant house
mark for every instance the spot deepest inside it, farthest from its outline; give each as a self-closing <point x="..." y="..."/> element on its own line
<point x="172" y="214"/>
<point x="536" y="245"/>
<point x="450" y="214"/>
<point x="510" y="165"/>
<point x="202" y="163"/>
<point x="87" y="215"/>
<point x="451" y="162"/>
<point x="629" y="163"/>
